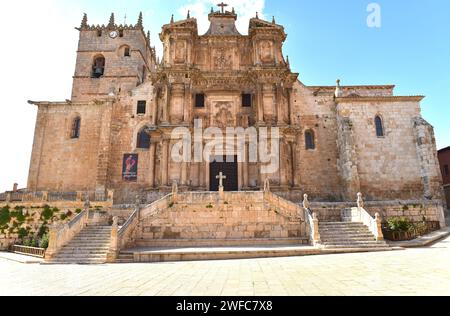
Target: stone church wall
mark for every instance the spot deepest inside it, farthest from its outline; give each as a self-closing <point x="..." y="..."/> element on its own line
<point x="59" y="162"/>
<point x="388" y="167"/>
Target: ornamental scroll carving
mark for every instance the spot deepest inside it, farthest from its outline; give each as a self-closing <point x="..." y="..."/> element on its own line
<point x="223" y="117"/>
<point x="223" y="58"/>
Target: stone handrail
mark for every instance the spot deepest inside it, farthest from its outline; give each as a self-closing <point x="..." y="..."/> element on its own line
<point x="126" y="236"/>
<point x="282" y="204"/>
<point x="61" y="235"/>
<point x="313" y="223"/>
<point x="360" y="215"/>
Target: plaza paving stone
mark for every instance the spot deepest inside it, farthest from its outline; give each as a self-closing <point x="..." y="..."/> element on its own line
<point x="418" y="271"/>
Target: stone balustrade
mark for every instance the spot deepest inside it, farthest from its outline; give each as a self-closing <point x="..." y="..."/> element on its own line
<point x="61" y="235"/>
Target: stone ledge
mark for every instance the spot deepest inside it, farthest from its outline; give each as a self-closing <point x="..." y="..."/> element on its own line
<point x="422" y="241"/>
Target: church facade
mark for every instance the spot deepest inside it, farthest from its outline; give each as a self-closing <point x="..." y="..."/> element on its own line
<point x="116" y="131"/>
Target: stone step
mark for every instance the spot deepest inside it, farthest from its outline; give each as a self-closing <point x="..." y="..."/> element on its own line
<point x="359" y="244"/>
<point x="82" y="251"/>
<point x="220" y="242"/>
<point x="334" y="240"/>
<point x="80" y="238"/>
<point x="75" y="261"/>
<point x="80" y="256"/>
<point x="368" y="247"/>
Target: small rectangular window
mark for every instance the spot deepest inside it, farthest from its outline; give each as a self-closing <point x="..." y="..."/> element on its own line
<point x="247" y="100"/>
<point x="120" y="33"/>
<point x="99" y="33"/>
<point x="446" y="171"/>
<point x="127" y="52"/>
<point x="200" y="100"/>
<point x="141" y="107"/>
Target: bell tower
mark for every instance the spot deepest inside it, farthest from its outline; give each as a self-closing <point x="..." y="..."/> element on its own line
<point x="111" y="58"/>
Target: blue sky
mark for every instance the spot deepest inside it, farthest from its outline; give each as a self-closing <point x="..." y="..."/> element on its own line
<point x="327" y="39"/>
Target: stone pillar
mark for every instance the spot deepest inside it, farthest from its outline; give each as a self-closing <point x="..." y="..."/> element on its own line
<point x="155" y="105"/>
<point x="184" y="173"/>
<point x="295" y="179"/>
<point x="114" y="242"/>
<point x="280" y="120"/>
<point x="165" y="162"/>
<point x="260" y="106"/>
<point x="104" y="148"/>
<point x="245" y="164"/>
<point x="166" y="106"/>
<point x="152" y="164"/>
<point x="428" y="160"/>
<point x="379" y="236"/>
<point x="187" y="103"/>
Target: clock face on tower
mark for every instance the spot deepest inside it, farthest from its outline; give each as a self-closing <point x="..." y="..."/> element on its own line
<point x="113" y="34"/>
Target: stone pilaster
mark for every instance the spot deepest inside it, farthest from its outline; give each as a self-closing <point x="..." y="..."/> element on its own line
<point x="348" y="161"/>
<point x="104" y="148"/>
<point x="165" y="162"/>
<point x="427" y="157"/>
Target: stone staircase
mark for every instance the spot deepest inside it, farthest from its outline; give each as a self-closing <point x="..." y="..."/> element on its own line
<point x="348" y="235"/>
<point x="90" y="246"/>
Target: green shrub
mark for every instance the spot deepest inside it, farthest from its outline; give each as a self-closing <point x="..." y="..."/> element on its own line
<point x="42" y="231"/>
<point x="209" y="206"/>
<point x="18" y="215"/>
<point x="47" y="213"/>
<point x="5" y="215"/>
<point x="23" y="233"/>
<point x="400" y="224"/>
<point x="171" y="204"/>
<point x="78" y="210"/>
<point x="44" y="242"/>
<point x="63" y="217"/>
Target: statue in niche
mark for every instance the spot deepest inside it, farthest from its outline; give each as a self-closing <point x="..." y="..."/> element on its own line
<point x="180" y="52"/>
<point x="266" y="51"/>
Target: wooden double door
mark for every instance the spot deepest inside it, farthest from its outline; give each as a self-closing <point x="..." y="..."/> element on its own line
<point x="229" y="168"/>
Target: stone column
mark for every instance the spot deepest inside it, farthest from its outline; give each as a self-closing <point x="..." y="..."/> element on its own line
<point x="165" y="162"/>
<point x="245" y="164"/>
<point x="184" y="173"/>
<point x="166" y="106"/>
<point x="295" y="181"/>
<point x="279" y="105"/>
<point x="152" y="164"/>
<point x="260" y="106"/>
<point x="187" y="103"/>
<point x="155" y="106"/>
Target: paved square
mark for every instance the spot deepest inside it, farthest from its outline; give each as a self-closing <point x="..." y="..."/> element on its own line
<point x="424" y="271"/>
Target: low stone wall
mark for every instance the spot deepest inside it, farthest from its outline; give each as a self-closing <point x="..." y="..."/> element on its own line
<point x="237" y="216"/>
<point x="415" y="210"/>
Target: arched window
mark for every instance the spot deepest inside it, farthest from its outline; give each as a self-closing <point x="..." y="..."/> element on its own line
<point x="143" y="139"/>
<point x="309" y="140"/>
<point x="126" y="51"/>
<point x="98" y="67"/>
<point x="76" y="125"/>
<point x="379" y="126"/>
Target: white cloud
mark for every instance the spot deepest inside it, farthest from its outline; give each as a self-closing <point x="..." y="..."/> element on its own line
<point x="246" y="9"/>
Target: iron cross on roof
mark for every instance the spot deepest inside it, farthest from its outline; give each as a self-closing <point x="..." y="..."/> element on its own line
<point x="222" y="5"/>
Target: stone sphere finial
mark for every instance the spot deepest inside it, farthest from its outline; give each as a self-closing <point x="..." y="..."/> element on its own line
<point x="360" y="200"/>
<point x="306" y="203"/>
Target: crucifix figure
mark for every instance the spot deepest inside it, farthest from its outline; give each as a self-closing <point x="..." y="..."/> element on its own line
<point x="221" y="177"/>
<point x="222" y="5"/>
